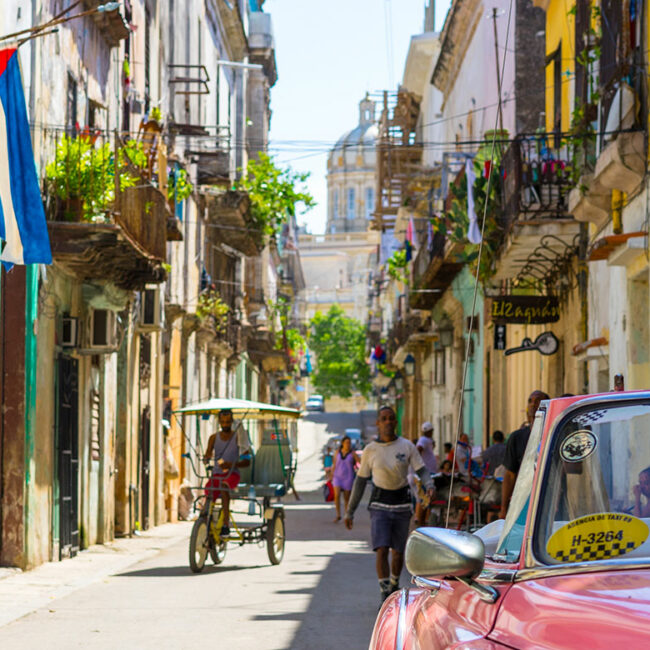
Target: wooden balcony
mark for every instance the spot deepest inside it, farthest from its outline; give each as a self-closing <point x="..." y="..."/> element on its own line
<point x="229" y="214"/>
<point x="111" y="24"/>
<point x="128" y="247"/>
<point x="536" y="190"/>
<point x="434" y="270"/>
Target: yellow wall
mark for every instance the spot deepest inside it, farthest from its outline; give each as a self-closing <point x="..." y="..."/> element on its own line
<point x="560" y="27"/>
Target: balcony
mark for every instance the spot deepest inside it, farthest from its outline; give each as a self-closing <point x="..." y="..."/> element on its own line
<point x="434" y="269"/>
<point x="229" y="214"/>
<point x="535" y="193"/>
<point x="111" y="24"/>
<point x="100" y="228"/>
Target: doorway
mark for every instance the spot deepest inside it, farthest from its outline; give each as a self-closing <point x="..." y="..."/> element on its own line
<point x="67" y="443"/>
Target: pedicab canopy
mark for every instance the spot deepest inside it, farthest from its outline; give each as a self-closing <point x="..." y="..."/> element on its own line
<point x="241" y="408"/>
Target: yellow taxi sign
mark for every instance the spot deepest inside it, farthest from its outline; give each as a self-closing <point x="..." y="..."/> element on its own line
<point x="597" y="537"/>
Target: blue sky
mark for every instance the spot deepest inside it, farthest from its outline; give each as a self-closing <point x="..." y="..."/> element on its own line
<point x="328" y="55"/>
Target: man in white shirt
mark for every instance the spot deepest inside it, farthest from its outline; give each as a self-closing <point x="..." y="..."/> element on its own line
<point x="387" y="461"/>
<point x="425" y="445"/>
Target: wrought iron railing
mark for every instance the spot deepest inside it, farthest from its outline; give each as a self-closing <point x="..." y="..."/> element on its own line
<point x="537" y="181"/>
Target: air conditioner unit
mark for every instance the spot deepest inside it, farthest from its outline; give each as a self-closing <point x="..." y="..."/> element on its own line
<point x="69" y="332"/>
<point x="151" y="308"/>
<point x="102" y="330"/>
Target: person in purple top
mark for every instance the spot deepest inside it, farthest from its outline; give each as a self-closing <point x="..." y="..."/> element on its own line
<point x="343" y="472"/>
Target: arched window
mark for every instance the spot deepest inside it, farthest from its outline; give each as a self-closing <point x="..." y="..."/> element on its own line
<point x="335" y="211"/>
<point x="370" y="201"/>
<point x="351" y="203"/>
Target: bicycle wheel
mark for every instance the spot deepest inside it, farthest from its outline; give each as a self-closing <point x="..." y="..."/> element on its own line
<point x="198" y="545"/>
<point x="275" y="536"/>
<point x="218" y="550"/>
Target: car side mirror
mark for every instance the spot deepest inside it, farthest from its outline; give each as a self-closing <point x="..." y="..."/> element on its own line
<point x="443" y="553"/>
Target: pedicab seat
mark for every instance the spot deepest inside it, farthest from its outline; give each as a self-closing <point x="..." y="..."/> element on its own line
<point x="270" y="467"/>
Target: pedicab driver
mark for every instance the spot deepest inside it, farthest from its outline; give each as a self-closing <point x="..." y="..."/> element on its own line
<point x="230" y="451"/>
<point x="387" y="461"/>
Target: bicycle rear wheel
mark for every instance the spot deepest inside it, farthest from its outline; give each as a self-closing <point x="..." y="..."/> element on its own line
<point x="198" y="545"/>
<point x="275" y="535"/>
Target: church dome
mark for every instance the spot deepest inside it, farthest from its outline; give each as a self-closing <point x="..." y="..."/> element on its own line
<point x="356" y="148"/>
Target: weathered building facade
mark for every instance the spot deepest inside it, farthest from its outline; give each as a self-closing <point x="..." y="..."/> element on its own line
<point x="140" y="127"/>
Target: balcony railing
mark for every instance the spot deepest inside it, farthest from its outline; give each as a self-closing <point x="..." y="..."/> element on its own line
<point x="537" y="182"/>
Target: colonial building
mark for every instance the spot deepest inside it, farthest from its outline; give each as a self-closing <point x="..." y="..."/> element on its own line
<point x="351" y="175"/>
<point x="141" y="122"/>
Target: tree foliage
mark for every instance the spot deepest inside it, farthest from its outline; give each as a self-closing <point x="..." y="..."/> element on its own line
<point x="274" y="193"/>
<point x="339" y="345"/>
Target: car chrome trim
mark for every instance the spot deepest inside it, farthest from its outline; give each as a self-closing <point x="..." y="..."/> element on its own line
<point x="530" y="560"/>
<point x="401" y="621"/>
<point x="427" y="583"/>
<point x="486" y="593"/>
<point x="546" y="571"/>
<point x="497" y="576"/>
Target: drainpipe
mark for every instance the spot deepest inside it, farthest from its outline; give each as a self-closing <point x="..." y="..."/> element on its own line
<point x="618" y="201"/>
<point x="583" y="286"/>
<point x="31" y="314"/>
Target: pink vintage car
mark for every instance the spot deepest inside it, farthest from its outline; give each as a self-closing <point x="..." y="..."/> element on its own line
<point x="570" y="565"/>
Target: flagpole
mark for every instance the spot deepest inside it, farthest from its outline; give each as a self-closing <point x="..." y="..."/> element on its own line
<point x="109" y="6"/>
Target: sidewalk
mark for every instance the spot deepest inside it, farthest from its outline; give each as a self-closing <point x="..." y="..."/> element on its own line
<point x="24" y="592"/>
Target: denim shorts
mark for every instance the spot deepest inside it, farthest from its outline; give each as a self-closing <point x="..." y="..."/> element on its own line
<point x="389" y="528"/>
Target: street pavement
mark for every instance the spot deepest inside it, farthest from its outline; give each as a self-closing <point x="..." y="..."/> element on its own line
<point x="139" y="593"/>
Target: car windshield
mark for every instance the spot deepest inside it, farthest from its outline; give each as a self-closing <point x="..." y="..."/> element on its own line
<point x="595" y="500"/>
<point x="512" y="535"/>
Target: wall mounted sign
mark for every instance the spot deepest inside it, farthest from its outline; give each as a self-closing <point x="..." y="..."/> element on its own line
<point x="546" y="343"/>
<point x="499" y="337"/>
<point x="525" y="310"/>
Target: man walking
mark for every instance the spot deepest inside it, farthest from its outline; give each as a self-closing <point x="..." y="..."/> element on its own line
<point x="515" y="449"/>
<point x="387" y="461"/>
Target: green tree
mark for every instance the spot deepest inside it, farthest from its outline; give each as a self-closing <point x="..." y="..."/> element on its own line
<point x="274" y="193"/>
<point x="339" y="345"/>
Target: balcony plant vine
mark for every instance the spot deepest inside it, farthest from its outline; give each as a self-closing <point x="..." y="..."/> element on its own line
<point x="454" y="223"/>
<point x="275" y="194"/>
<point x="582" y="132"/>
<point x="211" y="307"/>
<point x="82" y="174"/>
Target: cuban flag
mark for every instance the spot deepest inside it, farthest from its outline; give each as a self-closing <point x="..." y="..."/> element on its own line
<point x="22" y="219"/>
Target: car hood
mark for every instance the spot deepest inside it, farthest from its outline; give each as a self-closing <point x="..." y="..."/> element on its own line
<point x="598" y="610"/>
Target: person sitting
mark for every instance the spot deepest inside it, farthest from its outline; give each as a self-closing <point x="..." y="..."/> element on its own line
<point x="230" y="451"/>
<point x="495" y="454"/>
<point x="642" y="488"/>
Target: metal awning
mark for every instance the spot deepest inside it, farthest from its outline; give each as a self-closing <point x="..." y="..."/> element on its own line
<point x="241" y="408"/>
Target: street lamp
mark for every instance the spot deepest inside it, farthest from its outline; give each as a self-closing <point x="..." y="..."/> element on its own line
<point x="409" y="365"/>
<point x="399" y="381"/>
<point x="392" y="393"/>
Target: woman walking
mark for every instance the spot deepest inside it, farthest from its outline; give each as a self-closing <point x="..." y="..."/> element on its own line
<point x="343" y="471"/>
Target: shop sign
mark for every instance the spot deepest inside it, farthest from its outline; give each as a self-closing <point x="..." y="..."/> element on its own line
<point x="525" y="310"/>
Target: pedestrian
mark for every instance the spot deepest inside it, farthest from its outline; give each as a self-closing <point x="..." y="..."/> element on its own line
<point x="463" y="455"/>
<point x="494" y="455"/>
<point x="515" y="449"/>
<point x="448" y="451"/>
<point x="345" y="461"/>
<point x="387" y="462"/>
<point x="425" y="445"/>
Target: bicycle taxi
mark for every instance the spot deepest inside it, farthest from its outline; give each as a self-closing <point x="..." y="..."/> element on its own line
<point x="267" y="478"/>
